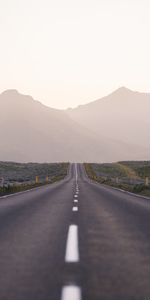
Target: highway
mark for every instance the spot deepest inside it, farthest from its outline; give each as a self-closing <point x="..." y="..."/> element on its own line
<point x="74" y="240"/>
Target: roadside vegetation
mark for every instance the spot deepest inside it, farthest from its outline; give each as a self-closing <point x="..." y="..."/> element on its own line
<point x="133" y="176"/>
<point x="16" y="177"/>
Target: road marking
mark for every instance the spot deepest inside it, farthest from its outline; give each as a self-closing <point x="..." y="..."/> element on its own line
<point x="75" y="196"/>
<point x="75" y="208"/>
<point x="72" y="249"/>
<point x="76" y="172"/>
<point x="75" y="200"/>
<point x="71" y="292"/>
<point x="108" y="187"/>
<point x="20" y="193"/>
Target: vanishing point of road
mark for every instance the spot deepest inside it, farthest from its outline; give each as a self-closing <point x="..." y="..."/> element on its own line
<point x="74" y="240"/>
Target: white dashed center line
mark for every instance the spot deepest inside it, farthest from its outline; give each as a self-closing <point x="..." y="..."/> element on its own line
<point x="72" y="249"/>
<point x="75" y="200"/>
<point x="71" y="292"/>
<point x="76" y="173"/>
<point x="75" y="208"/>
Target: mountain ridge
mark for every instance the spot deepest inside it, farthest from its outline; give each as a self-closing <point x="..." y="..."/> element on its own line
<point x="32" y="131"/>
<point x="123" y="115"/>
<point x="115" y="92"/>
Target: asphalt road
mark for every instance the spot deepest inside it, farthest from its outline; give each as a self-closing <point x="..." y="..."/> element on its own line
<point x="74" y="240"/>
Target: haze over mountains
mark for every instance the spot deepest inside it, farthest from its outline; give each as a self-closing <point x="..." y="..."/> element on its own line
<point x="113" y="128"/>
<point x="123" y="115"/>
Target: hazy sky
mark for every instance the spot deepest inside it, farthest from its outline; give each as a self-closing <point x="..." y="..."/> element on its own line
<point x="69" y="52"/>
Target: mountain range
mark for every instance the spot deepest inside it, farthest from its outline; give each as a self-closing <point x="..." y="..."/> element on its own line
<point x="112" y="128"/>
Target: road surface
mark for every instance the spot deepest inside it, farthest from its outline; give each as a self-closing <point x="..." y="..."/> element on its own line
<point x="74" y="240"/>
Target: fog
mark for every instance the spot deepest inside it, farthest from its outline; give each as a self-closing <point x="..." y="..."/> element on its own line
<point x="109" y="129"/>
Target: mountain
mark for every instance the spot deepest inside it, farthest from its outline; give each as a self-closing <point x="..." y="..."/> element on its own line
<point x="31" y="131"/>
<point x="123" y="115"/>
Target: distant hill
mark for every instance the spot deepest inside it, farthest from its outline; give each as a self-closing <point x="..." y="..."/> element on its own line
<point x="123" y="115"/>
<point x="30" y="131"/>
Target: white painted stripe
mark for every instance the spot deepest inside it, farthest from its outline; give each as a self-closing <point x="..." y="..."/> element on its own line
<point x="75" y="200"/>
<point x="76" y="172"/>
<point x="71" y="292"/>
<point x="75" y="196"/>
<point x="117" y="189"/>
<point x="20" y="193"/>
<point x="75" y="208"/>
<point x="72" y="249"/>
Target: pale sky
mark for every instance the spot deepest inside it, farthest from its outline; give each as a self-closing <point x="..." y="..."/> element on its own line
<point x="65" y="53"/>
